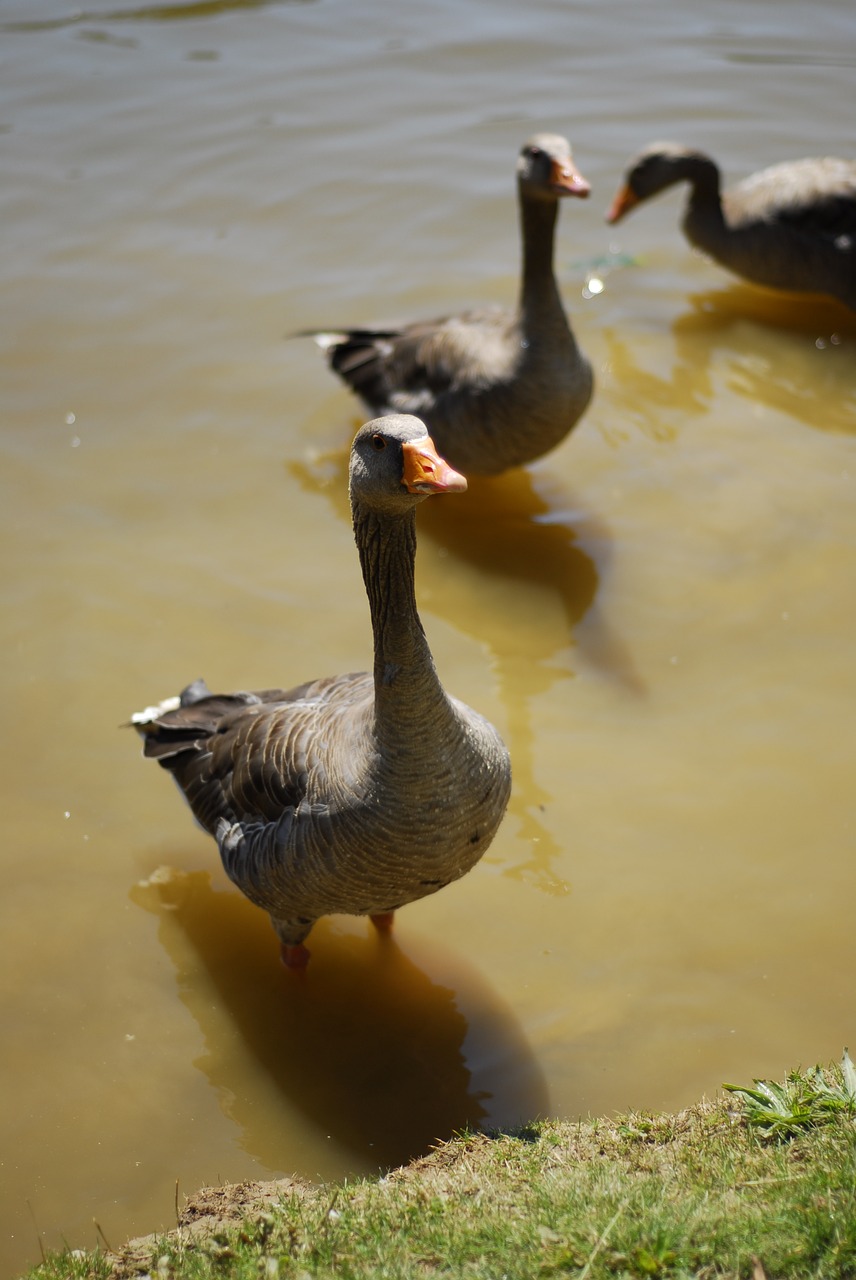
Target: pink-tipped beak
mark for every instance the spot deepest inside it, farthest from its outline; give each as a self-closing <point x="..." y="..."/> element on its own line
<point x="567" y="181"/>
<point x="426" y="472"/>
<point x="625" y="200"/>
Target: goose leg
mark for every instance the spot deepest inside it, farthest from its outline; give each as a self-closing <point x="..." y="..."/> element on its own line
<point x="295" y="957"/>
<point x="383" y="921"/>
<point x="291" y="933"/>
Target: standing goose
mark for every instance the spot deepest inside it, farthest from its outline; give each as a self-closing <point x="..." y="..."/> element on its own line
<point x="792" y="226"/>
<point x="496" y="388"/>
<point x="355" y="793"/>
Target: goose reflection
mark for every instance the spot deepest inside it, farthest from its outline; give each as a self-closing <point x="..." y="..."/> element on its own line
<point x="794" y="354"/>
<point x="507" y="531"/>
<point x="659" y="407"/>
<point x="797" y="312"/>
<point x="379" y="1057"/>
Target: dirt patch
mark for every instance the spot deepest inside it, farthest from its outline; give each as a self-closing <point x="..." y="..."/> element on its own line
<point x="205" y="1215"/>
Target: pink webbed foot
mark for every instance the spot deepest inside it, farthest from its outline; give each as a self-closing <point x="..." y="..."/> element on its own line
<point x="295" y="958"/>
<point x="383" y="921"/>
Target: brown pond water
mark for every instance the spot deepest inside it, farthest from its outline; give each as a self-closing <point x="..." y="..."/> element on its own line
<point x="659" y="616"/>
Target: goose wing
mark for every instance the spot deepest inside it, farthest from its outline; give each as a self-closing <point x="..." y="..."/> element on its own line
<point x="408" y="368"/>
<point x="249" y="757"/>
<point x="814" y="196"/>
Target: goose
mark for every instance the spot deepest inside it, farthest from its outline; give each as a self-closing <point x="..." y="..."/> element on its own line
<point x="354" y="793"/>
<point x="496" y="388"/>
<point x="792" y="226"/>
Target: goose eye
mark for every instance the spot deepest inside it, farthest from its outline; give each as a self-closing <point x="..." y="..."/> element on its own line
<point x="534" y="151"/>
<point x="378" y="443"/>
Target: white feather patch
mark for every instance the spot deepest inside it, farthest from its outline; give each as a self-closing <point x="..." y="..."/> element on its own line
<point x="327" y="340"/>
<point x="149" y="714"/>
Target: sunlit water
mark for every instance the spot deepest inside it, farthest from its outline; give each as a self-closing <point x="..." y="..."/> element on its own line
<point x="659" y="616"/>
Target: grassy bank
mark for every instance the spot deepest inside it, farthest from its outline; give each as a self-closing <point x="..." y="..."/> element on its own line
<point x="760" y="1183"/>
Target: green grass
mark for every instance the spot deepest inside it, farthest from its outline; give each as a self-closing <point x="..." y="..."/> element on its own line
<point x="709" y="1192"/>
<point x="805" y="1099"/>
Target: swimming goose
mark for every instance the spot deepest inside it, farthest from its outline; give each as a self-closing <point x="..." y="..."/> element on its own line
<point x="496" y="388"/>
<point x="354" y="793"/>
<point x="792" y="226"/>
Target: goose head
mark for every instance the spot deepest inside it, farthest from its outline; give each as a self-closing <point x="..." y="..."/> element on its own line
<point x="394" y="465"/>
<point x="546" y="169"/>
<point x="659" y="166"/>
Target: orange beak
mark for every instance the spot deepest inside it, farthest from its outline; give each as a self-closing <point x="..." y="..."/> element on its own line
<point x="426" y="472"/>
<point x="566" y="181"/>
<point x="624" y="201"/>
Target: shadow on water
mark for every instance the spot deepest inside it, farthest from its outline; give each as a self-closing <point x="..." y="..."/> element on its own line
<point x="378" y="1055"/>
<point x="520" y="565"/>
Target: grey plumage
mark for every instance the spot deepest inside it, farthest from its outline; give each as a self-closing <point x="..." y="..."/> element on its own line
<point x="496" y="388"/>
<point x="354" y="793"/>
<point x="791" y="226"/>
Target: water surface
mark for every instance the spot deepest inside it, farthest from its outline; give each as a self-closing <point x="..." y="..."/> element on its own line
<point x="658" y="616"/>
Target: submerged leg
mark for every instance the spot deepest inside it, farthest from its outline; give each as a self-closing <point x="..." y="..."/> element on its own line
<point x="295" y="957"/>
<point x="383" y="921"/>
<point x="292" y="952"/>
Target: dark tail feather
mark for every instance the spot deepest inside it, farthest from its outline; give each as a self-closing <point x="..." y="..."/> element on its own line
<point x="359" y="357"/>
<point x="169" y="732"/>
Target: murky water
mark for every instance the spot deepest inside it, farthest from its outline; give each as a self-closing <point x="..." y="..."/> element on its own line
<point x="659" y="616"/>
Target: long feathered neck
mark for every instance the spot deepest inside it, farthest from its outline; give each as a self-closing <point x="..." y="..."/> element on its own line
<point x="403" y="666"/>
<point x="539" y="293"/>
<point x="702" y="174"/>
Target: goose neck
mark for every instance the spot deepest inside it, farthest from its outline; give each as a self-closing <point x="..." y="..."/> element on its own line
<point x="703" y="176"/>
<point x="538" y="232"/>
<point x="403" y="665"/>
